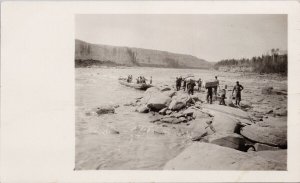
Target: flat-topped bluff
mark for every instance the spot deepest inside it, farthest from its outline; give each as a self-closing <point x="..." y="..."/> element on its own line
<point x="87" y="54"/>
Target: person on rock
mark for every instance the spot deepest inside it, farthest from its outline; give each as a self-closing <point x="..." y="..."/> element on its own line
<point x="223" y="96"/>
<point x="184" y="84"/>
<point x="237" y="89"/>
<point x="209" y="95"/>
<point x="150" y="80"/>
<point x="199" y="84"/>
<point x="190" y="87"/>
<point x="216" y="87"/>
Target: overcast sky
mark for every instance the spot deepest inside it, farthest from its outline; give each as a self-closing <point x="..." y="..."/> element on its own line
<point x="210" y="37"/>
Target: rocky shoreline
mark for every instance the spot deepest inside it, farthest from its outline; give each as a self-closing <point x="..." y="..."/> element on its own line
<point x="253" y="137"/>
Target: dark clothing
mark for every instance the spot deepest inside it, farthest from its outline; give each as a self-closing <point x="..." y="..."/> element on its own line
<point x="190" y="87"/>
<point x="178" y="84"/>
<point x="209" y="94"/>
<point x="238" y="88"/>
<point x="184" y="84"/>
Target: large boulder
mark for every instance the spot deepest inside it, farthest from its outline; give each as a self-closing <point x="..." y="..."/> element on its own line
<point x="179" y="101"/>
<point x="158" y="102"/>
<point x="199" y="128"/>
<point x="233" y="140"/>
<point x="225" y="123"/>
<point x="205" y="156"/>
<point x="152" y="91"/>
<point x="271" y="131"/>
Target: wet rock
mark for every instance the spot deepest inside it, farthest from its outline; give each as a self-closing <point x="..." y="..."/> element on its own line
<point x="233" y="140"/>
<point x="142" y="109"/>
<point x="179" y="101"/>
<point x="205" y="156"/>
<point x="264" y="147"/>
<point x="105" y="110"/>
<point x="158" y="102"/>
<point x="271" y="131"/>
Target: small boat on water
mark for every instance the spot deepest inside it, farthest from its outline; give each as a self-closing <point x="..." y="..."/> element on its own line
<point x="141" y="86"/>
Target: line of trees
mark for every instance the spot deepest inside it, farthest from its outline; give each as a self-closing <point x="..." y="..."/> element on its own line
<point x="270" y="63"/>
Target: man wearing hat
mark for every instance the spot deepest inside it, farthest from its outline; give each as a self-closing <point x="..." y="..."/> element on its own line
<point x="237" y="88"/>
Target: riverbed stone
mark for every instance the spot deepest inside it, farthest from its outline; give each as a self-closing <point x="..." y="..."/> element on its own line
<point x="158" y="102"/>
<point x="105" y="110"/>
<point x="271" y="131"/>
<point x="179" y="101"/>
<point x="206" y="156"/>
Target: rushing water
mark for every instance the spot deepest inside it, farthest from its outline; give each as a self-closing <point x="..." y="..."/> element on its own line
<point x="126" y="140"/>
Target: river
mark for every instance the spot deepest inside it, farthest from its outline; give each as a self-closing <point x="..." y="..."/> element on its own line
<point x="138" y="144"/>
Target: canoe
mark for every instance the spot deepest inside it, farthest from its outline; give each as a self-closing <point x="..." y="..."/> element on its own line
<point x="134" y="85"/>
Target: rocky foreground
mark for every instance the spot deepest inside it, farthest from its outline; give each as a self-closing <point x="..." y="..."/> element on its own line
<point x="253" y="137"/>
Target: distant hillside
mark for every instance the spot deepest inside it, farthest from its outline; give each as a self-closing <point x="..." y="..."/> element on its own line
<point x="87" y="54"/>
<point x="276" y="62"/>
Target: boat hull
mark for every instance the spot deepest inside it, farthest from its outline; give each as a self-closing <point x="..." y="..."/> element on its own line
<point x="135" y="85"/>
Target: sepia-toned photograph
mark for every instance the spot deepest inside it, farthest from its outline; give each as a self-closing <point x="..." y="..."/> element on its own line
<point x="181" y="92"/>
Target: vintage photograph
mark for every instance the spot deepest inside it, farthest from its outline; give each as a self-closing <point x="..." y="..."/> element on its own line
<point x="181" y="91"/>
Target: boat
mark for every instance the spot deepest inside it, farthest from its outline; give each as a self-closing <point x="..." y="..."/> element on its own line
<point x="141" y="86"/>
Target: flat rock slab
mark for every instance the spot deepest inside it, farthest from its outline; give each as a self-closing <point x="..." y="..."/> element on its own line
<point x="271" y="131"/>
<point x="205" y="156"/>
<point x="234" y="112"/>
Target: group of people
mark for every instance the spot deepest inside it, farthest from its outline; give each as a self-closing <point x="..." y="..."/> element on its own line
<point x="139" y="80"/>
<point x="187" y="84"/>
<point x="237" y="89"/>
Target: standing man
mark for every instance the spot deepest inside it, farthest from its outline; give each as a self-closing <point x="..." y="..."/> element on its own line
<point x="237" y="88"/>
<point x="199" y="84"/>
<point x="223" y="96"/>
<point x="150" y="80"/>
<point x="184" y="84"/>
